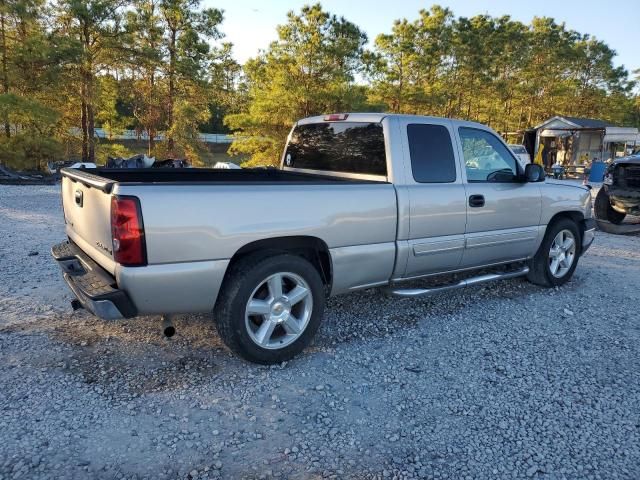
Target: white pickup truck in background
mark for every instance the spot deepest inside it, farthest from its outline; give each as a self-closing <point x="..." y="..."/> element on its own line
<point x="521" y="154"/>
<point x="360" y="201"/>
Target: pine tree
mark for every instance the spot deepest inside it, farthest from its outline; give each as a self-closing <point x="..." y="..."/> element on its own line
<point x="309" y="70"/>
<point x="187" y="31"/>
<point x="95" y="27"/>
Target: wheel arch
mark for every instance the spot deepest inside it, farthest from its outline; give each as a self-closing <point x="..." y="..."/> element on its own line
<point x="577" y="217"/>
<point x="538" y="265"/>
<point x="313" y="249"/>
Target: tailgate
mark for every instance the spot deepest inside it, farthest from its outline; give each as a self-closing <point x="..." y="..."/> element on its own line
<point x="87" y="211"/>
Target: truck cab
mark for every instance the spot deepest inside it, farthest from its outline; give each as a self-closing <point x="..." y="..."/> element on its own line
<point x="463" y="198"/>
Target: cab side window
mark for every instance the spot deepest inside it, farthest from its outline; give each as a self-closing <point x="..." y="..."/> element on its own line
<point x="486" y="158"/>
<point x="431" y="151"/>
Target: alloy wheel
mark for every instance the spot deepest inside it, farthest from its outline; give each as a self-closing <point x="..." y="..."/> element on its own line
<point x="278" y="310"/>
<point x="562" y="253"/>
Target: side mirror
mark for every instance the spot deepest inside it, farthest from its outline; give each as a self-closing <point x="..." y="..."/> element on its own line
<point x="533" y="173"/>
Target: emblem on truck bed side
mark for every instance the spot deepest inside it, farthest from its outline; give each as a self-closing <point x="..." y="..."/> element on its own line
<point x="102" y="247"/>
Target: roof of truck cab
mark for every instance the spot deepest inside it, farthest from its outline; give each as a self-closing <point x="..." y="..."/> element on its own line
<point x="351" y="117"/>
<point x="374" y="117"/>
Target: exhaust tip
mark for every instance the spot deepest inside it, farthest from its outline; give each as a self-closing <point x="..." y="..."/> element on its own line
<point x="167" y="327"/>
<point x="169" y="331"/>
<point x="76" y="305"/>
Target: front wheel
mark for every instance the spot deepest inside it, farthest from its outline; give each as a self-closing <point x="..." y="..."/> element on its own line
<point x="556" y="260"/>
<point x="604" y="211"/>
<point x="270" y="307"/>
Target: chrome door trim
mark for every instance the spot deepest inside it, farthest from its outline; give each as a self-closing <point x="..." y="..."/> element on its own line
<point x="437" y="246"/>
<point x="482" y="239"/>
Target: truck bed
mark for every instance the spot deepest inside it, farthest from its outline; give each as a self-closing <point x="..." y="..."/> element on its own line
<point x="200" y="215"/>
<point x="105" y="178"/>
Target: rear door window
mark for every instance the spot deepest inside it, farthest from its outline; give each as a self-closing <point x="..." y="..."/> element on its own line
<point x="348" y="147"/>
<point x="431" y="151"/>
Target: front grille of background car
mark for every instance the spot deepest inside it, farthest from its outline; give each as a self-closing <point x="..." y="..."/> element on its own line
<point x="630" y="177"/>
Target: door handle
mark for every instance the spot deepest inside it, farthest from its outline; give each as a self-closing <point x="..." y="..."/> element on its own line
<point x="476" y="201"/>
<point x="78" y="197"/>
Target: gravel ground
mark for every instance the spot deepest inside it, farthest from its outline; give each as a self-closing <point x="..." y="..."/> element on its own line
<point x="503" y="381"/>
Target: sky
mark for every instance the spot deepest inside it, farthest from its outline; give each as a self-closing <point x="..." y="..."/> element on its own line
<point x="250" y="24"/>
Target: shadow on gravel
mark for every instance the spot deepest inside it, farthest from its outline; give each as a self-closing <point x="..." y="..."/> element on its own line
<point x="129" y="357"/>
<point x="134" y="353"/>
<point x="625" y="229"/>
<point x="369" y="314"/>
<point x="109" y="367"/>
<point x="132" y="357"/>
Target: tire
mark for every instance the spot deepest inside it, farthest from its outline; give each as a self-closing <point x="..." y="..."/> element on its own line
<point x="541" y="266"/>
<point x="274" y="327"/>
<point x="604" y="210"/>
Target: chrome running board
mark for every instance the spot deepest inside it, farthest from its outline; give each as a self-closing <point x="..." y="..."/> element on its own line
<point x="421" y="292"/>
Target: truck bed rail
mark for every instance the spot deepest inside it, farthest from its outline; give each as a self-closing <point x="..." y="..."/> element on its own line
<point x="88" y="179"/>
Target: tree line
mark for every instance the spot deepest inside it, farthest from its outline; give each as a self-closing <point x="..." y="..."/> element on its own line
<point x="70" y="66"/>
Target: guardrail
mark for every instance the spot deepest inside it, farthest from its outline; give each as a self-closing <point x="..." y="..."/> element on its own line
<point x="143" y="136"/>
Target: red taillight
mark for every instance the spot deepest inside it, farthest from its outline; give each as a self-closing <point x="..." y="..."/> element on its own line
<point x="127" y="232"/>
<point x="336" y="117"/>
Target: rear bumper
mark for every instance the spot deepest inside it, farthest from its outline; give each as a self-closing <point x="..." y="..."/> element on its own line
<point x="589" y="234"/>
<point x="94" y="288"/>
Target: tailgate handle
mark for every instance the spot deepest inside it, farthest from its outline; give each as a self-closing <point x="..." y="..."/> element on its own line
<point x="78" y="197"/>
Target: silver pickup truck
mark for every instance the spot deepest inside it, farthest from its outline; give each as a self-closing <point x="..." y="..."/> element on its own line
<point x="360" y="201"/>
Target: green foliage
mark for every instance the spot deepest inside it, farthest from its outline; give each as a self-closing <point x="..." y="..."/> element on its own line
<point x="187" y="56"/>
<point x="496" y="71"/>
<point x="309" y="70"/>
<point x="406" y="64"/>
<point x="170" y="62"/>
<point x="25" y="114"/>
<point x="227" y="88"/>
<point x="93" y="30"/>
<point x="26" y="151"/>
<point x="68" y="67"/>
<point x="188" y="115"/>
<point x="107" y="114"/>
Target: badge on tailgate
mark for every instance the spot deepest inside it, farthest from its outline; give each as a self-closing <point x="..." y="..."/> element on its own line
<point x="79" y="198"/>
<point x="103" y="247"/>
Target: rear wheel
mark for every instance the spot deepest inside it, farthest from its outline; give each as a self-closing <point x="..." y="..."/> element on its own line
<point x="604" y="210"/>
<point x="270" y="308"/>
<point x="557" y="257"/>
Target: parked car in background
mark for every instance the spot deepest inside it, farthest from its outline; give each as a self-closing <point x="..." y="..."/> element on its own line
<point x="360" y="201"/>
<point x="84" y="165"/>
<point x="521" y="153"/>
<point x="620" y="192"/>
<point x="227" y="166"/>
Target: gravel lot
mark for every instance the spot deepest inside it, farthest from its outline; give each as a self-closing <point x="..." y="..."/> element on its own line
<point x="502" y="381"/>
